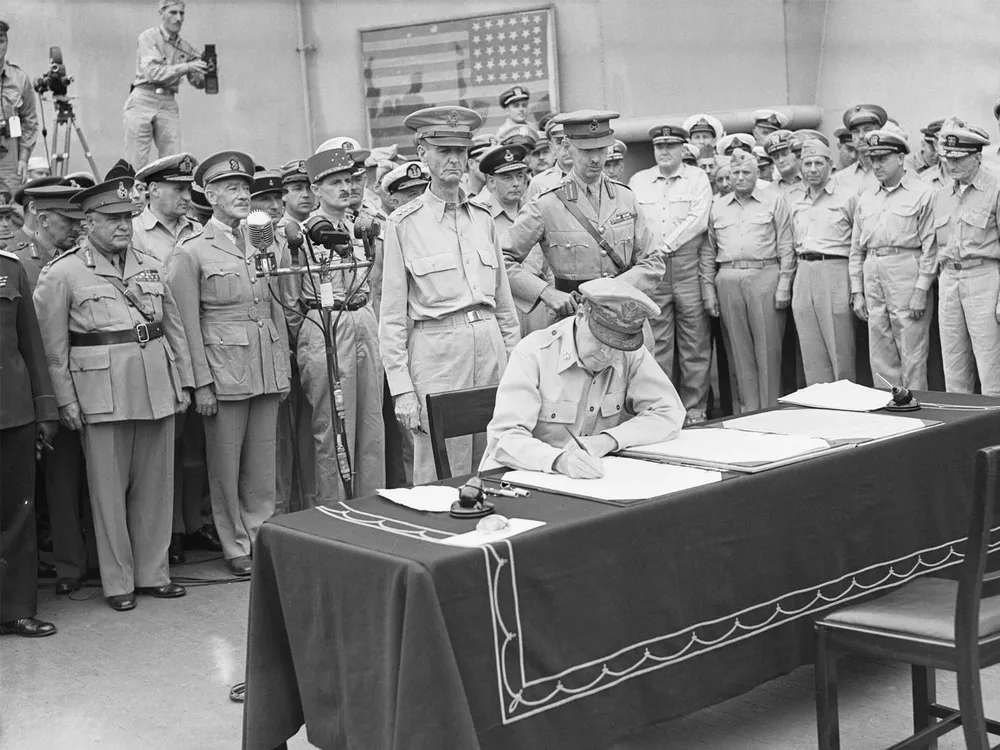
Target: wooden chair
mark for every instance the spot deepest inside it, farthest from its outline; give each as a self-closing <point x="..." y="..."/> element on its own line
<point x="931" y="624"/>
<point x="457" y="413"/>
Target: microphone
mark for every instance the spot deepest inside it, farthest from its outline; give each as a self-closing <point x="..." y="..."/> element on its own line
<point x="260" y="230"/>
<point x="294" y="237"/>
<point x="322" y="232"/>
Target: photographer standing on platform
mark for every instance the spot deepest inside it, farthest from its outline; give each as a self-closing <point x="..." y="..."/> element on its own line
<point x="161" y="60"/>
<point x="18" y="118"/>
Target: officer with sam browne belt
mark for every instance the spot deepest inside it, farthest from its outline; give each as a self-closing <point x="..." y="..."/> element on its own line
<point x="119" y="363"/>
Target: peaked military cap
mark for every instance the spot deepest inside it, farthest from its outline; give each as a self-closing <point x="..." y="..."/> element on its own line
<point x="703" y="123"/>
<point x="617" y="312"/>
<point x="728" y="144"/>
<point x="444" y="126"/>
<point x="524" y="134"/>
<point x="503" y="159"/>
<point x="931" y="131"/>
<point x="294" y="171"/>
<point x="224" y="164"/>
<point x="79" y="179"/>
<point x="668" y="134"/>
<point x="515" y="94"/>
<point x="329" y="162"/>
<point x="589" y="128"/>
<point x="778" y="140"/>
<point x="763" y="158"/>
<point x="267" y="181"/>
<point x="54" y="198"/>
<point x="175" y="168"/>
<point x="958" y="140"/>
<point x="882" y="142"/>
<point x="481" y="144"/>
<point x="7" y="205"/>
<point x="861" y="114"/>
<point x="769" y="118"/>
<point x="405" y="176"/>
<point x="843" y="135"/>
<point x="19" y="196"/>
<point x="112" y="196"/>
<point x="617" y="151"/>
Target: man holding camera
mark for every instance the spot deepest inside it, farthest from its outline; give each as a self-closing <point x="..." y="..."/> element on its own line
<point x="18" y="118"/>
<point x="161" y="61"/>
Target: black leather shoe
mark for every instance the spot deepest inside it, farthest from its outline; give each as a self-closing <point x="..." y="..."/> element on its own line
<point x="167" y="591"/>
<point x="46" y="570"/>
<point x="204" y="538"/>
<point x="122" y="602"/>
<point x="240" y="566"/>
<point x="29" y="627"/>
<point x="69" y="585"/>
<point x="175" y="552"/>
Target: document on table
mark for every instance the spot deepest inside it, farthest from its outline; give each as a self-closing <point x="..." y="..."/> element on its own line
<point x="624" y="479"/>
<point x="827" y="424"/>
<point x="718" y="448"/>
<point x="842" y="395"/>
<point x="433" y="498"/>
<point x="477" y="538"/>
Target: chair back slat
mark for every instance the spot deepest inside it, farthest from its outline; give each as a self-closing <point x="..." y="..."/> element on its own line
<point x="454" y="414"/>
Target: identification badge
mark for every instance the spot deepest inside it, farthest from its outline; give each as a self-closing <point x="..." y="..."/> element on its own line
<point x="3" y="281"/>
<point x="14" y="126"/>
<point x="622" y="218"/>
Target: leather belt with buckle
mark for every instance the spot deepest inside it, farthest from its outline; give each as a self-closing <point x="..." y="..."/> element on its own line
<point x="821" y="256"/>
<point x="961" y="265"/>
<point x="749" y="264"/>
<point x="462" y="317"/>
<point x="880" y="251"/>
<point x="141" y="334"/>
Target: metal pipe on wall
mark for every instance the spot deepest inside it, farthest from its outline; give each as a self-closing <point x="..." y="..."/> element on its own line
<point x="303" y="49"/>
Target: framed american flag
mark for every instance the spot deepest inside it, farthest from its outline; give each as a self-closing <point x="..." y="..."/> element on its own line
<point x="466" y="61"/>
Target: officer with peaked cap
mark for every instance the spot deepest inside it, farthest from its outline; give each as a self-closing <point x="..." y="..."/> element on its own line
<point x="297" y="193"/>
<point x="356" y="337"/>
<point x="893" y="263"/>
<point x="514" y="102"/>
<point x="588" y="374"/>
<point x="164" y="221"/>
<point x="406" y="182"/>
<point x="860" y="120"/>
<point x="765" y="122"/>
<point x="58" y="225"/>
<point x="541" y="157"/>
<point x="704" y="130"/>
<point x="588" y="226"/>
<point x="781" y="146"/>
<point x="729" y="143"/>
<point x="473" y="181"/>
<point x="8" y="210"/>
<point x="266" y="194"/>
<point x="30" y="224"/>
<point x="506" y="179"/>
<point x="239" y="354"/>
<point x="926" y="156"/>
<point x="822" y="219"/>
<point x="750" y="238"/>
<point x="563" y="161"/>
<point x="966" y="214"/>
<point x="847" y="154"/>
<point x="119" y="362"/>
<point x="675" y="199"/>
<point x="448" y="319"/>
<point x="614" y="167"/>
<point x="765" y="164"/>
<point x="523" y="134"/>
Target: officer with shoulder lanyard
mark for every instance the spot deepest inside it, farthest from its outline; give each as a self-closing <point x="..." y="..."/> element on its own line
<point x="588" y="226"/>
<point x="448" y="319"/>
<point x="119" y="363"/>
<point x="239" y="354"/>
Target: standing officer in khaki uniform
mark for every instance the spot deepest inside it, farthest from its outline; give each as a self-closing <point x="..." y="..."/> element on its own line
<point x="860" y="120"/>
<point x="676" y="199"/>
<point x="765" y="122"/>
<point x="18" y="118"/>
<point x="614" y="167"/>
<point x="356" y="337"/>
<point x="553" y="176"/>
<point x="590" y="375"/>
<point x="822" y="221"/>
<point x="893" y="262"/>
<point x="704" y="130"/>
<point x="780" y="146"/>
<point x="448" y="319"/>
<point x="567" y="221"/>
<point x="28" y="414"/>
<point x="119" y="363"/>
<point x="506" y="179"/>
<point x="162" y="60"/>
<point x="750" y="237"/>
<point x="239" y="353"/>
<point x="966" y="214"/>
<point x="59" y="226"/>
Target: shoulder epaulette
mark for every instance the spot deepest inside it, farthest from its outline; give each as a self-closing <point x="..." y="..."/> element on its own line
<point x="479" y="204"/>
<point x="571" y="191"/>
<point x="60" y="256"/>
<point x="403" y="211"/>
<point x="197" y="233"/>
<point x="540" y="339"/>
<point x="8" y="254"/>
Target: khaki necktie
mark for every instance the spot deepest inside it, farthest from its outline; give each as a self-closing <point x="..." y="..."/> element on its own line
<point x="594" y="196"/>
<point x="238" y="239"/>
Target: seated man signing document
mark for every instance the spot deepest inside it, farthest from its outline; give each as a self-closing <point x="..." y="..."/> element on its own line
<point x="587" y="377"/>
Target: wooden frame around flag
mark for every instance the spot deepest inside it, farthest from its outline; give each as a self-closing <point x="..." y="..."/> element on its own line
<point x="467" y="61"/>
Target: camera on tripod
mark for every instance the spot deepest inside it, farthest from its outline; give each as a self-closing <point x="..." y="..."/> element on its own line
<point x="55" y="79"/>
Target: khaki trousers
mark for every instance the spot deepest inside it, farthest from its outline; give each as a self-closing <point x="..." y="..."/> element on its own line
<point x="970" y="334"/>
<point x="240" y="447"/>
<point x="130" y="472"/>
<point x="821" y="306"/>
<point x="150" y="118"/>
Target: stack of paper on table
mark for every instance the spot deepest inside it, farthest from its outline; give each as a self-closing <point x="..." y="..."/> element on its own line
<point x="715" y="447"/>
<point x="827" y="424"/>
<point x="477" y="538"/>
<point x="624" y="479"/>
<point x="842" y="395"/>
<point x="432" y="498"/>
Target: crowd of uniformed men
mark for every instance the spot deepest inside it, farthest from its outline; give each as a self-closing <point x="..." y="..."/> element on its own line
<point x="148" y="362"/>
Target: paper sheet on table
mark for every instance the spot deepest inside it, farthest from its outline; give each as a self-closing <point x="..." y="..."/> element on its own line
<point x="478" y="538"/>
<point x="842" y="395"/>
<point x="430" y="498"/>
<point x="827" y="424"/>
<point x="624" y="479"/>
<point x="715" y="445"/>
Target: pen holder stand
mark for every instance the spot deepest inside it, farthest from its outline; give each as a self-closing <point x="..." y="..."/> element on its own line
<point x="902" y="400"/>
<point x="471" y="501"/>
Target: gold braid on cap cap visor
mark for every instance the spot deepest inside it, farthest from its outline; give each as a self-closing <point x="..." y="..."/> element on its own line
<point x="588" y="136"/>
<point x="603" y="317"/>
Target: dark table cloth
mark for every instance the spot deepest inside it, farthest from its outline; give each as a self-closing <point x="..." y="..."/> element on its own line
<point x="603" y="621"/>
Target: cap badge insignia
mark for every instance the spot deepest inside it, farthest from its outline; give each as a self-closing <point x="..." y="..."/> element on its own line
<point x="630" y="312"/>
<point x="413" y="171"/>
<point x="122" y="191"/>
<point x="347" y="146"/>
<point x="234" y="165"/>
<point x="508" y="156"/>
<point x="873" y="139"/>
<point x="186" y="166"/>
<point x="518" y="91"/>
<point x="594" y="125"/>
<point x="452" y="117"/>
<point x="951" y="140"/>
<point x="73" y="183"/>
